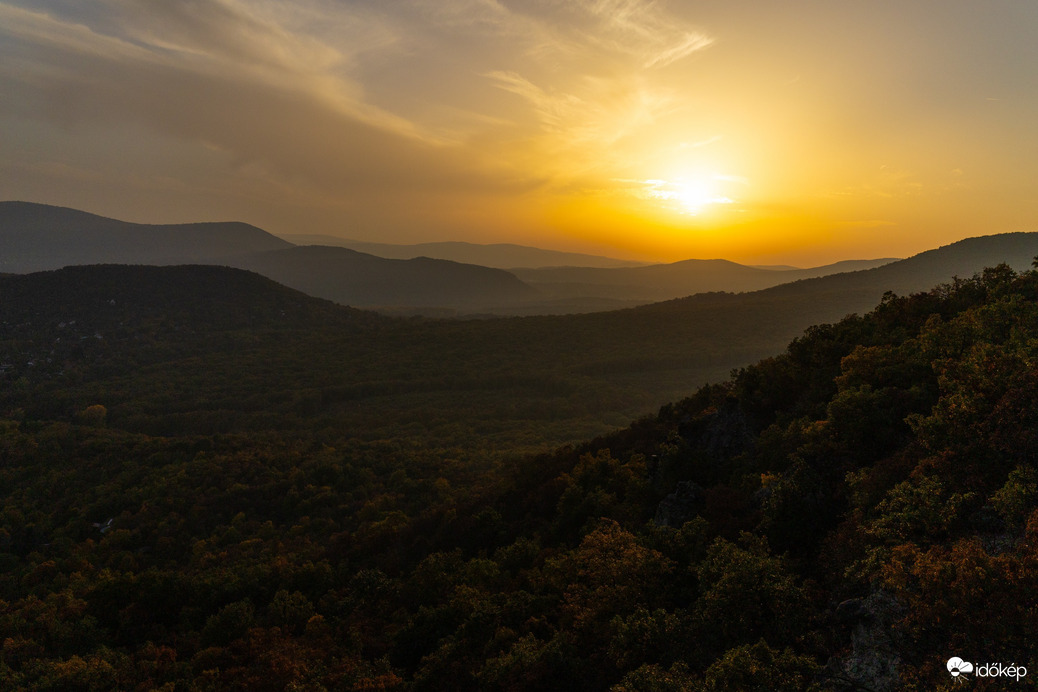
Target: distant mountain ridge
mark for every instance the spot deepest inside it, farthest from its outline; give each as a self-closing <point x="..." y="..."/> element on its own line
<point x="666" y="281"/>
<point x="763" y="319"/>
<point x="573" y="282"/>
<point x="920" y="272"/>
<point x="37" y="237"/>
<point x="361" y="280"/>
<point x="497" y="255"/>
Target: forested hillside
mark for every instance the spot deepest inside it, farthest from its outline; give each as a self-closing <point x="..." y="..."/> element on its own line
<point x="514" y="384"/>
<point x="846" y="515"/>
<point x="227" y="350"/>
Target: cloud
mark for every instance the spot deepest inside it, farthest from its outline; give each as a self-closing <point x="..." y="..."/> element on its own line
<point x="592" y="111"/>
<point x="216" y="72"/>
<point x="346" y="104"/>
<point x="320" y="50"/>
<point x="40" y="32"/>
<point x="592" y="78"/>
<point x="248" y="42"/>
<point x="642" y="28"/>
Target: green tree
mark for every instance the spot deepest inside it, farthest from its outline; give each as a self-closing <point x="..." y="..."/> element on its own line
<point x="230" y="623"/>
<point x="747" y="593"/>
<point x="759" y="668"/>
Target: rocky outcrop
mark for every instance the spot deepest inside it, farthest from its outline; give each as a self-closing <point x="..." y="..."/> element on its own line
<point x="680" y="506"/>
<point x="873" y="660"/>
<point x="723" y="434"/>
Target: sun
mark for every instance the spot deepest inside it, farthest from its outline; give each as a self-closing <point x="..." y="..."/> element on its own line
<point x="694" y="195"/>
<point x="689" y="194"/>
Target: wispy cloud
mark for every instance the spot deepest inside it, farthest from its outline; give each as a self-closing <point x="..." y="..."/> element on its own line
<point x="643" y="29"/>
<point x="344" y="98"/>
<point x="203" y="39"/>
<point x="591" y="77"/>
<point x="233" y="78"/>
<point x="592" y="111"/>
<point x="320" y="51"/>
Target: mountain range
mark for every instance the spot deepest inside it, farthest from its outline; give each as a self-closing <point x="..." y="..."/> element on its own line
<point x="36" y="237"/>
<point x="576" y="374"/>
<point x="498" y="255"/>
<point x="637" y="285"/>
<point x="362" y="280"/>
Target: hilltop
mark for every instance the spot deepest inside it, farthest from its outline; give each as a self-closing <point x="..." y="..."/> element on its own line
<point x="187" y="297"/>
<point x="354" y="278"/>
<point x="37" y="237"/>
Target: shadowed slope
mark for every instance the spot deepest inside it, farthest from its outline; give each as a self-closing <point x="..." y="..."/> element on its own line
<point x="354" y="278"/>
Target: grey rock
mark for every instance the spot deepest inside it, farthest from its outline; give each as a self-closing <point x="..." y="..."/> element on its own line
<point x="680" y="506"/>
<point x="873" y="659"/>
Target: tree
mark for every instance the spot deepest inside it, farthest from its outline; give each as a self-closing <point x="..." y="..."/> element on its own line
<point x="746" y="594"/>
<point x="759" y="668"/>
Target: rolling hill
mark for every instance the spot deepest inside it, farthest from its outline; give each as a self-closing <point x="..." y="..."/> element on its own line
<point x="512" y="382"/>
<point x="185" y="298"/>
<point x="362" y="280"/>
<point x="569" y="283"/>
<point x="665" y="281"/>
<point x="37" y="237"/>
<point x="498" y="255"/>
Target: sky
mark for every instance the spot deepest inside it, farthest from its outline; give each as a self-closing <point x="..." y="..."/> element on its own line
<point x="799" y="132"/>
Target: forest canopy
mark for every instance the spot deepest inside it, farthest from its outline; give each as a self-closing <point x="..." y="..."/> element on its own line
<point x="848" y="514"/>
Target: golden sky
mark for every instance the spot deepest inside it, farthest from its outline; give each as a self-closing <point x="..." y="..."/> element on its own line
<point x="798" y="132"/>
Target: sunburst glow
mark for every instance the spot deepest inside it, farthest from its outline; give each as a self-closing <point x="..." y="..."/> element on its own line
<point x="687" y="194"/>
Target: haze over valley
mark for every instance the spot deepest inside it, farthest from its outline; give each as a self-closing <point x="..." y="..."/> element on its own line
<point x="34" y="237"/>
<point x="714" y="317"/>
